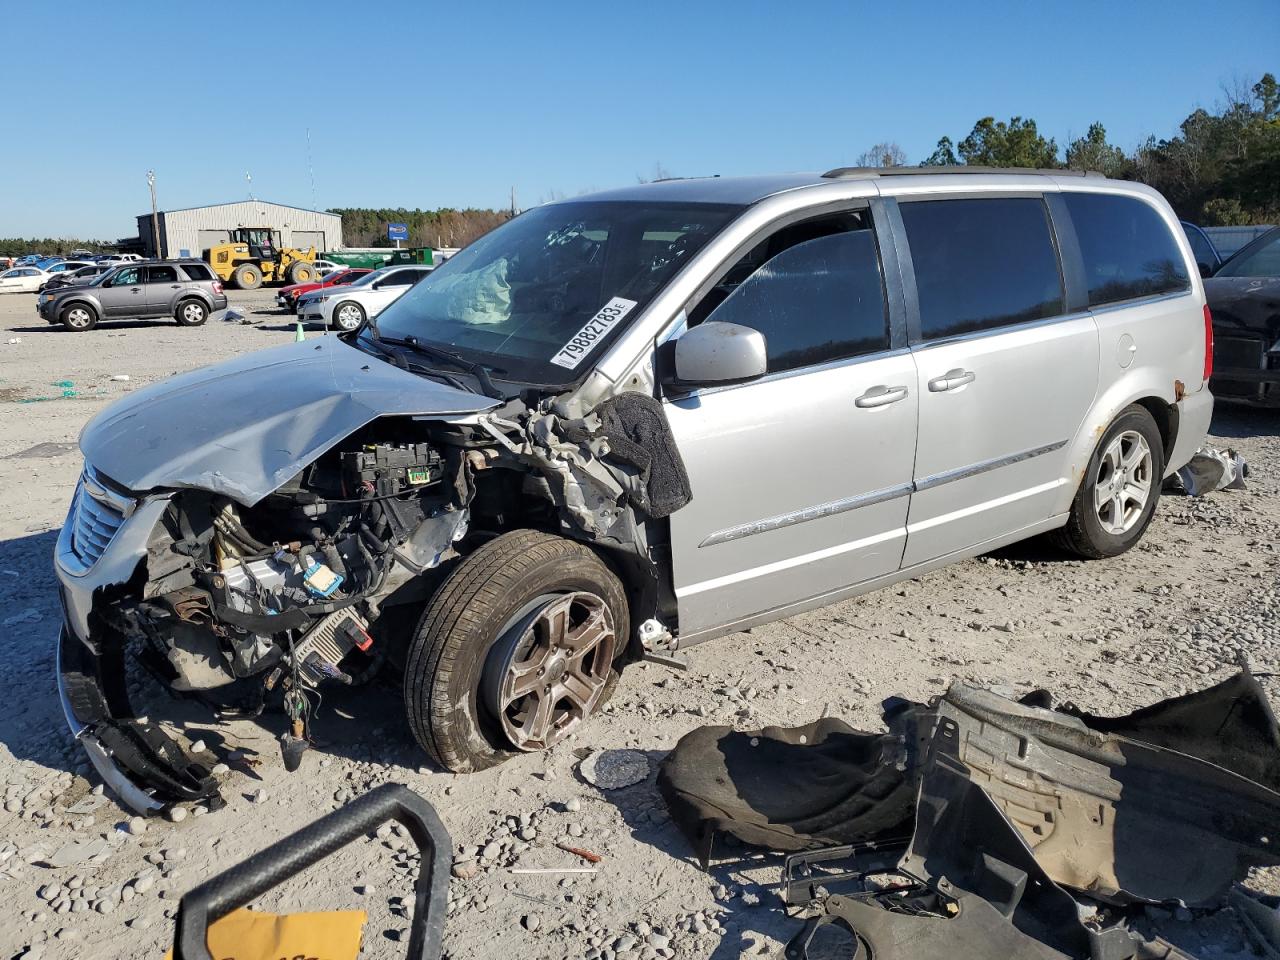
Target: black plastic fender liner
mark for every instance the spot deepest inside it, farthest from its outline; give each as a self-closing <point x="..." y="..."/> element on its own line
<point x="251" y="878"/>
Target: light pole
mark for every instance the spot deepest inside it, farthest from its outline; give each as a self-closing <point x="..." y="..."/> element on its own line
<point x="155" y="219"/>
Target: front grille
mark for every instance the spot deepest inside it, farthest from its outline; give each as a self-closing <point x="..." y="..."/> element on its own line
<point x="96" y="514"/>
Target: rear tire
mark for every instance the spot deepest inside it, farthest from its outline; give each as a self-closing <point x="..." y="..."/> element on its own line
<point x="247" y="277"/>
<point x="191" y="313"/>
<point x="1117" y="499"/>
<point x="474" y="608"/>
<point x="79" y="317"/>
<point x="347" y="316"/>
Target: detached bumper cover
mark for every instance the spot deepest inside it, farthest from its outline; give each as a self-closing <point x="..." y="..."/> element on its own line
<point x="137" y="760"/>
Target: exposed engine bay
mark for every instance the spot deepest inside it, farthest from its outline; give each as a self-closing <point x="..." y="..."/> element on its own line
<point x="253" y="607"/>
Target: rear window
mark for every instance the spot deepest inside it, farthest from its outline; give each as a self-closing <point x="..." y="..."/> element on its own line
<point x="1127" y="248"/>
<point x="982" y="264"/>
<point x="1260" y="261"/>
<point x="196" y="271"/>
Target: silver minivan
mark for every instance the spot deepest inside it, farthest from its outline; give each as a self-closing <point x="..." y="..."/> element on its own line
<point x="620" y="425"/>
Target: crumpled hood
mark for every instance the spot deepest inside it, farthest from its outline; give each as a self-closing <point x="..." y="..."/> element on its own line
<point x="244" y="427"/>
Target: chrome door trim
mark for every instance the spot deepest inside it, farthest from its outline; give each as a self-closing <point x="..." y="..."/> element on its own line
<point x="983" y="466"/>
<point x="829" y="509"/>
<point x="833" y="507"/>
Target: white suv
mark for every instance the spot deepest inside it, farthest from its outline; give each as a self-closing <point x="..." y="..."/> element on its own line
<point x="347" y="307"/>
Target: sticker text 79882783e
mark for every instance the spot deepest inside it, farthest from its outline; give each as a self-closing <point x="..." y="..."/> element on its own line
<point x="580" y="344"/>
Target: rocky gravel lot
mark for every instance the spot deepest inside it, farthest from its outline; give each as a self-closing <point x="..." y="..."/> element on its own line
<point x="81" y="878"/>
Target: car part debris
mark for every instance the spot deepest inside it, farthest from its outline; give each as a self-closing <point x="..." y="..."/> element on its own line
<point x="1210" y="469"/>
<point x="586" y="855"/>
<point x="1261" y="919"/>
<point x="1096" y="799"/>
<point x="614" y="769"/>
<point x="248" y="880"/>
<point x="796" y="788"/>
<point x="967" y="885"/>
<point x="536" y="871"/>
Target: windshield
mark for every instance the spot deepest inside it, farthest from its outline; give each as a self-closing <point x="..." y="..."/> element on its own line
<point x="540" y="294"/>
<point x="1260" y="261"/>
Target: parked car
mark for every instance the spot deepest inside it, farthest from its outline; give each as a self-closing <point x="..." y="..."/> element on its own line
<point x="325" y="267"/>
<point x="22" y="279"/>
<point x="1202" y="248"/>
<point x="1244" y="297"/>
<point x="185" y="290"/>
<point x="347" y="307"/>
<point x="628" y="423"/>
<point x="72" y="278"/>
<point x="65" y="266"/>
<point x="288" y="296"/>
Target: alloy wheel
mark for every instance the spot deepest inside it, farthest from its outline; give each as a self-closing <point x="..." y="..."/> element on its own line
<point x="550" y="667"/>
<point x="1122" y="486"/>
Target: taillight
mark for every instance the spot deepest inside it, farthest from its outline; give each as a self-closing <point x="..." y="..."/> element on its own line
<point x="217" y="287"/>
<point x="1208" y="343"/>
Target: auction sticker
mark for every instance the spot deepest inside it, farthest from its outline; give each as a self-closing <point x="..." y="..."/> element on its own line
<point x="580" y="344"/>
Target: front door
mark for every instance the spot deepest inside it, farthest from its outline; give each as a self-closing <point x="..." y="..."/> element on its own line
<point x="1006" y="374"/>
<point x="801" y="479"/>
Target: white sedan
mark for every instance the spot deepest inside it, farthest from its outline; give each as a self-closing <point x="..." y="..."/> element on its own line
<point x="346" y="308"/>
<point x="23" y="279"/>
<point x="325" y="267"/>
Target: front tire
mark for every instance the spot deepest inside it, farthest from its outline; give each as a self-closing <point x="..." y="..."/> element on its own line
<point x="191" y="313"/>
<point x="1121" y="487"/>
<point x="79" y="317"/>
<point x="348" y="316"/>
<point x="247" y="277"/>
<point x="515" y="650"/>
<point x="300" y="272"/>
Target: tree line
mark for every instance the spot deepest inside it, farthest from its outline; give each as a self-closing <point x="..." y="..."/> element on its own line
<point x="1221" y="169"/>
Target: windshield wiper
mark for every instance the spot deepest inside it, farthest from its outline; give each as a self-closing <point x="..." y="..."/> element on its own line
<point x="478" y="370"/>
<point x="398" y="358"/>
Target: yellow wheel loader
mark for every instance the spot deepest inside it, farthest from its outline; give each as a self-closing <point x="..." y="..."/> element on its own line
<point x="254" y="256"/>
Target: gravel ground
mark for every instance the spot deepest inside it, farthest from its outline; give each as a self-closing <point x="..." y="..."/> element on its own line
<point x="1170" y="616"/>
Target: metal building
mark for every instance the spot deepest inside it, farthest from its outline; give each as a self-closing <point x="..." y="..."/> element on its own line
<point x="189" y="232"/>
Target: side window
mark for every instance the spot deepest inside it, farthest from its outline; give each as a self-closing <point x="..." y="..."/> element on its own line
<point x="1128" y="250"/>
<point x="982" y="264"/>
<point x="814" y="289"/>
<point x="196" y="271"/>
<point x="127" y="277"/>
<point x="163" y="274"/>
<point x="1201" y="248"/>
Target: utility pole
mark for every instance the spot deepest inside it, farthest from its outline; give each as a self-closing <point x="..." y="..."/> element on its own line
<point x="155" y="219"/>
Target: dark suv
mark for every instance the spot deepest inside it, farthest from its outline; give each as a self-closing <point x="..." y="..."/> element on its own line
<point x="186" y="290"/>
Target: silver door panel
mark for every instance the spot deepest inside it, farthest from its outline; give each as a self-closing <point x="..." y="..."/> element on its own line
<point x="796" y="489"/>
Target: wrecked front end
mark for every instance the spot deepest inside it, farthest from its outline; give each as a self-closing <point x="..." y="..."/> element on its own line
<point x="249" y="554"/>
<point x="244" y="606"/>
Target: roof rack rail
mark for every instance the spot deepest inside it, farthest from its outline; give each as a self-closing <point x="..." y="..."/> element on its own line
<point x="853" y="173"/>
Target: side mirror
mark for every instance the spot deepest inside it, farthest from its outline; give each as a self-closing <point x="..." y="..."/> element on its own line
<point x="717" y="353"/>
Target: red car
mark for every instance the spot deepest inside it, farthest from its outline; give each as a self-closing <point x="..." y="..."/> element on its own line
<point x="288" y="296"/>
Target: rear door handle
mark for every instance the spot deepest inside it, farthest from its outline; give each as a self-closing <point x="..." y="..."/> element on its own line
<point x="951" y="380"/>
<point x="879" y="396"/>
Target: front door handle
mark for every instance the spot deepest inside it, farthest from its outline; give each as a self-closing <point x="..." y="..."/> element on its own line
<point x="951" y="380"/>
<point x="880" y="396"/>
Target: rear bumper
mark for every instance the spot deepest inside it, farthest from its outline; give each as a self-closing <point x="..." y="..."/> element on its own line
<point x="1195" y="412"/>
<point x="1245" y="370"/>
